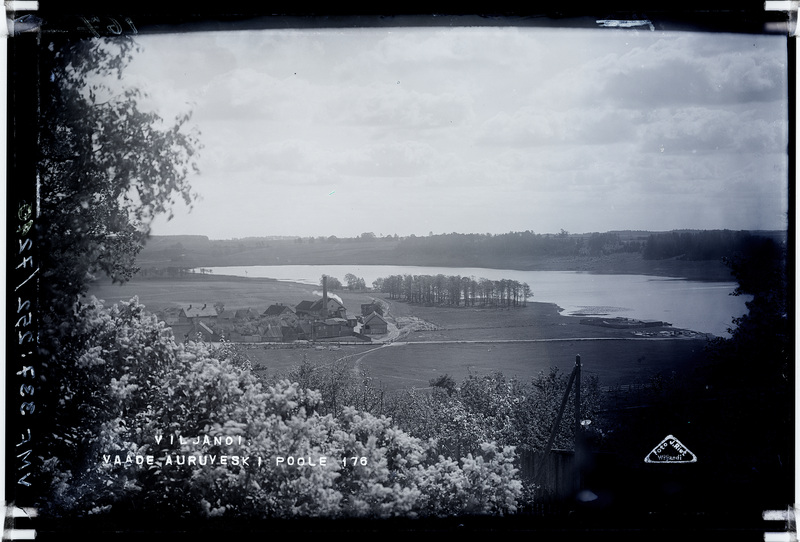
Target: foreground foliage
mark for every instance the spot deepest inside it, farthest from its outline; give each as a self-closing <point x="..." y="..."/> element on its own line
<point x="106" y="167"/>
<point x="492" y="407"/>
<point x="458" y="416"/>
<point x="139" y="388"/>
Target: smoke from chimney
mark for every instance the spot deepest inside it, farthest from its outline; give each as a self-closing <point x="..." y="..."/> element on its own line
<point x="330" y="296"/>
<point x="324" y="311"/>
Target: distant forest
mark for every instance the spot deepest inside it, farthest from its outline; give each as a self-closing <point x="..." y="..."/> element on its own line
<point x="687" y="245"/>
<point x="174" y="255"/>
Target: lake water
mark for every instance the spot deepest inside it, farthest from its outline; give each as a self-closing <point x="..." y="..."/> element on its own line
<point x="705" y="307"/>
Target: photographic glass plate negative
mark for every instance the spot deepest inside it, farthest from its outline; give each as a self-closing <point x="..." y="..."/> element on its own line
<point x="459" y="272"/>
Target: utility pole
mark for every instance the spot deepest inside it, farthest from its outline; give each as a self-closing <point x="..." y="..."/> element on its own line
<point x="575" y="378"/>
<point x="577" y="398"/>
<point x="578" y="435"/>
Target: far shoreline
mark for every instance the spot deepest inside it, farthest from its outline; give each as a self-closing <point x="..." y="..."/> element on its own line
<point x="180" y="253"/>
<point x="615" y="264"/>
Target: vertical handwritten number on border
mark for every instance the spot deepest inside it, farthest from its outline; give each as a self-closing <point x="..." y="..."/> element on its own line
<point x="25" y="215"/>
<point x="25" y="331"/>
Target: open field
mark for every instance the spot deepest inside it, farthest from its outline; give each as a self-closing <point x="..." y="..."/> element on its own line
<point x="473" y="341"/>
<point x="433" y="341"/>
<point x="409" y="365"/>
<point x="234" y="292"/>
<point x="536" y="321"/>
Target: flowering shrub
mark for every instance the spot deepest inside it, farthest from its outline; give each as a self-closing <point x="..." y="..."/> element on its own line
<point x="485" y="483"/>
<point x="156" y="418"/>
<point x="340" y="385"/>
<point x="492" y="409"/>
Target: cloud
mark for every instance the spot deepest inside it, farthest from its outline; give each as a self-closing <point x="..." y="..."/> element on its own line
<point x="515" y="128"/>
<point x="394" y="159"/>
<point x="694" y="70"/>
<point x="539" y="126"/>
<point x="712" y="129"/>
<point x="391" y="106"/>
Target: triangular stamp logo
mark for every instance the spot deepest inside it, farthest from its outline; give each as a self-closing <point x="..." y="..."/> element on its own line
<point x="670" y="450"/>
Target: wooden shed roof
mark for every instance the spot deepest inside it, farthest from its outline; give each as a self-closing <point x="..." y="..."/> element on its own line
<point x="373" y="317"/>
<point x="198" y="309"/>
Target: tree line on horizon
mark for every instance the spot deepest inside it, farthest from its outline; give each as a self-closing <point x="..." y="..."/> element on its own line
<point x="458" y="248"/>
<point x="701" y="245"/>
<point x="687" y="245"/>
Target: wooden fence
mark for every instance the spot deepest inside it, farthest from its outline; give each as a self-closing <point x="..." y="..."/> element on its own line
<point x="561" y="479"/>
<point x="558" y="479"/>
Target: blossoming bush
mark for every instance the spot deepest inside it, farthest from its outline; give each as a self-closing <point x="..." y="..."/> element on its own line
<point x="340" y="384"/>
<point x="134" y="392"/>
<point x="491" y="408"/>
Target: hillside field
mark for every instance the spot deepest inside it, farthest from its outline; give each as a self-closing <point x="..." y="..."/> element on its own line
<point x="435" y="340"/>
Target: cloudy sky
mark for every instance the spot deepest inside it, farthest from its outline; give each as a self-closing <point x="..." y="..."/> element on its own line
<point x="475" y="129"/>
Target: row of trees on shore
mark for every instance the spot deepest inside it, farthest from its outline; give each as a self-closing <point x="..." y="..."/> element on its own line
<point x="352" y="283"/>
<point x="454" y="290"/>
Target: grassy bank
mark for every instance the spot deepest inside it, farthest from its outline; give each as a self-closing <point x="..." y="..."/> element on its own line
<point x="521" y="343"/>
<point x="234" y="292"/>
<point x="412" y="365"/>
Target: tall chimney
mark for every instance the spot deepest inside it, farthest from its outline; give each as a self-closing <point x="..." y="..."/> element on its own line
<point x="324" y="311"/>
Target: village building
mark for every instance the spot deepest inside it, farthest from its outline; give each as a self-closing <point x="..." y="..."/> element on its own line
<point x="225" y="321"/>
<point x="334" y="308"/>
<point x="195" y="331"/>
<point x="246" y="315"/>
<point x="192" y="321"/>
<point x="374" y="324"/>
<point x="192" y="313"/>
<point x="305" y="330"/>
<point x="277" y="309"/>
<point x="272" y="333"/>
<point x="291" y="333"/>
<point x="369" y="308"/>
<point x="171" y="315"/>
<point x="330" y="328"/>
<point x="249" y="336"/>
<point x="204" y="331"/>
<point x="324" y="318"/>
<point x="304" y="309"/>
<point x="314" y="309"/>
<point x="280" y="314"/>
